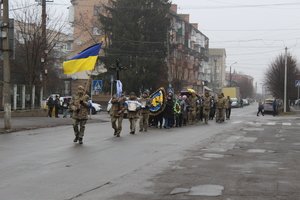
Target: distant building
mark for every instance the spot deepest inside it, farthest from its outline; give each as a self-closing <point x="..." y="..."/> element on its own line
<point x="188" y="52"/>
<point x="215" y="68"/>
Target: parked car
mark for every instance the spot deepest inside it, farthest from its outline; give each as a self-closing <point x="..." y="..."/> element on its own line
<point x="268" y="105"/>
<point x="245" y="102"/>
<point x="235" y="103"/>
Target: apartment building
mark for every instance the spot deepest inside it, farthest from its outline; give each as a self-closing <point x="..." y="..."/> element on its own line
<point x="188" y="52"/>
<point x="215" y="68"/>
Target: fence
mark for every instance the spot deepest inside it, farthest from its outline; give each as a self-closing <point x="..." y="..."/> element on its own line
<point x="24" y="97"/>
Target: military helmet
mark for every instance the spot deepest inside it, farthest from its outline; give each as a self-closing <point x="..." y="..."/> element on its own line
<point x="80" y="87"/>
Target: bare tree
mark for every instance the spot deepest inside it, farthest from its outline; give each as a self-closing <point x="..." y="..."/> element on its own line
<point x="274" y="77"/>
<point x="29" y="41"/>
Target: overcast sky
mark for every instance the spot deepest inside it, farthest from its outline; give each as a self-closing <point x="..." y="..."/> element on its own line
<point x="253" y="32"/>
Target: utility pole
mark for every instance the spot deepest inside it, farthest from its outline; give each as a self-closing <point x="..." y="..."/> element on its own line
<point x="6" y="66"/>
<point x="285" y="81"/>
<point x="230" y="74"/>
<point x="44" y="48"/>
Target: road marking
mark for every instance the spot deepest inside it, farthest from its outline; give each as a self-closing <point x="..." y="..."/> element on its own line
<point x="271" y="123"/>
<point x="286" y="124"/>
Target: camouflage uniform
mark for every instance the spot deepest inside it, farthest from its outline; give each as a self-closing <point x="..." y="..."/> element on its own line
<point x="80" y="107"/>
<point x="117" y="114"/>
<point x="192" y="109"/>
<point x="133" y="115"/>
<point x="206" y="107"/>
<point x="144" y="112"/>
<point x="220" y="109"/>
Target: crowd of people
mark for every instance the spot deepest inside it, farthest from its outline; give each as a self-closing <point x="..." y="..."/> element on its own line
<point x="179" y="110"/>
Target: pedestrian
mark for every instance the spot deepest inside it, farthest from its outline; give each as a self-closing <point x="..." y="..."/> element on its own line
<point x="65" y="107"/>
<point x="184" y="110"/>
<point x="80" y="108"/>
<point x="169" y="112"/>
<point x="144" y="111"/>
<point x="56" y="105"/>
<point x="212" y="108"/>
<point x="50" y="105"/>
<point x="242" y="103"/>
<point x="206" y="106"/>
<point x="192" y="101"/>
<point x="260" y="108"/>
<point x="133" y="107"/>
<point x="220" y="108"/>
<point x="200" y="107"/>
<point x="274" y="107"/>
<point x="228" y="107"/>
<point x="117" y="113"/>
<point x="177" y="112"/>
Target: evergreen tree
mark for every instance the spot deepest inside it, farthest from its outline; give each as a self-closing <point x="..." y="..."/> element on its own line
<point x="137" y="34"/>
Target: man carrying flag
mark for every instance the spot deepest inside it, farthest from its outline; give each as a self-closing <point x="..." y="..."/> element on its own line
<point x="85" y="60"/>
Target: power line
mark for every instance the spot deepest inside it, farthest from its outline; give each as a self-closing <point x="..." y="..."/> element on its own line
<point x="241" y="6"/>
<point x="253" y="30"/>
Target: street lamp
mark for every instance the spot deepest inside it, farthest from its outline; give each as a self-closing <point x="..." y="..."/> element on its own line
<point x="230" y="78"/>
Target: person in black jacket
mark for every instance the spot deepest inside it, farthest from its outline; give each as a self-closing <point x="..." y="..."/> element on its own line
<point x="169" y="112"/>
<point x="56" y="105"/>
<point x="50" y="105"/>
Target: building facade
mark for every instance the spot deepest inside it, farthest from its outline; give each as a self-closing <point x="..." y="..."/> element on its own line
<point x="215" y="69"/>
<point x="188" y="51"/>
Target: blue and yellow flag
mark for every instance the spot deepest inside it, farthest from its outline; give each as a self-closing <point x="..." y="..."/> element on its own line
<point x="158" y="102"/>
<point x="85" y="60"/>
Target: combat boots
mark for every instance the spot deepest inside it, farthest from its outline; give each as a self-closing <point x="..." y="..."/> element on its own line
<point x="76" y="139"/>
<point x="80" y="141"/>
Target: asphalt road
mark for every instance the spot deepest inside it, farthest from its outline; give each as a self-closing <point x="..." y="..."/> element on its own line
<point x="227" y="158"/>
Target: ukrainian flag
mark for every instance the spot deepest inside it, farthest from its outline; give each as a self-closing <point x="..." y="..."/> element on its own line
<point x="85" y="60"/>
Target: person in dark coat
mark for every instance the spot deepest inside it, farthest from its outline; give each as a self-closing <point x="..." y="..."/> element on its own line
<point x="50" y="105"/>
<point x="169" y="112"/>
<point x="56" y="105"/>
<point x="260" y="108"/>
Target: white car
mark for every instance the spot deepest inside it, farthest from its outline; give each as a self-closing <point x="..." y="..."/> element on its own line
<point x="95" y="107"/>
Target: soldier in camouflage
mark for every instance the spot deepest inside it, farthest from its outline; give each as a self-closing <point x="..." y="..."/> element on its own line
<point x="80" y="108"/>
<point x="117" y="113"/>
<point x="220" y="108"/>
<point x="144" y="112"/>
<point x="206" y="106"/>
<point x="192" y="100"/>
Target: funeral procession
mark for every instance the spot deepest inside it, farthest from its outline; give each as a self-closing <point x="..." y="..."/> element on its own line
<point x="149" y="100"/>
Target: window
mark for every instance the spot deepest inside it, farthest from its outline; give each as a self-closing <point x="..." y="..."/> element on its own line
<point x="97" y="10"/>
<point x="96" y="31"/>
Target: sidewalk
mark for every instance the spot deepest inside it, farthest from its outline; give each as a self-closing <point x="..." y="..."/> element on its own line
<point x="29" y="123"/>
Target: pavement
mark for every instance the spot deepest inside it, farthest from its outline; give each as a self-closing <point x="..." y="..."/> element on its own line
<point x="30" y="123"/>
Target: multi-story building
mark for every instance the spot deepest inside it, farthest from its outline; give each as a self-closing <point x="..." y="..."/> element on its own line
<point x="215" y="69"/>
<point x="187" y="53"/>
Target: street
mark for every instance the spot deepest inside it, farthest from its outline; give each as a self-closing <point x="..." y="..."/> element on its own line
<point x="247" y="157"/>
